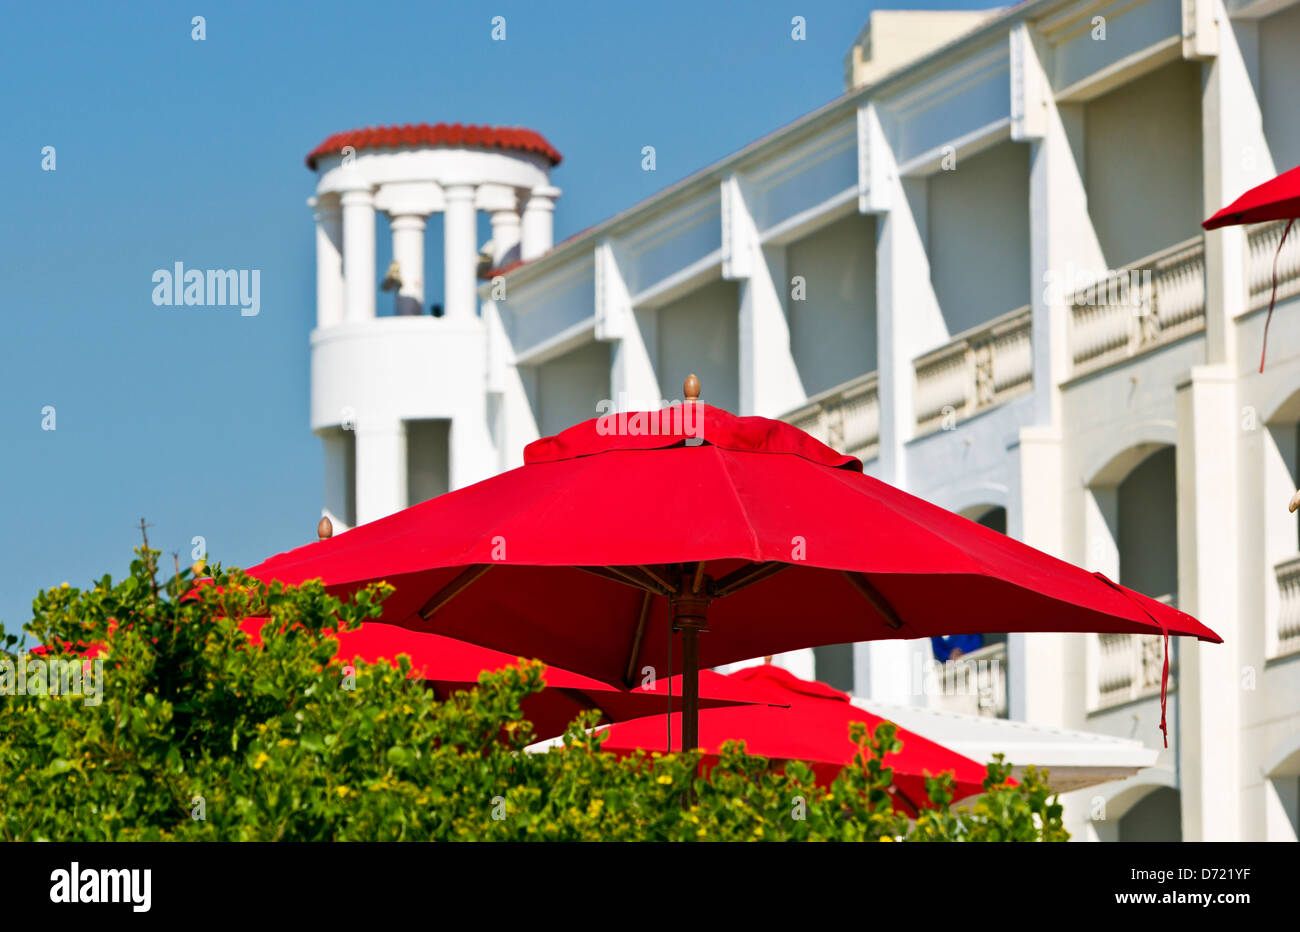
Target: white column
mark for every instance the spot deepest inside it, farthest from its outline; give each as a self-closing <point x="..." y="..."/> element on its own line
<point x="505" y="236"/>
<point x="1209" y="690"/>
<point x="769" y="380"/>
<point x="381" y="469"/>
<point x="501" y="203"/>
<point x="770" y="385"/>
<point x="1064" y="251"/>
<point x="460" y="253"/>
<point x="538" y="222"/>
<point x="359" y="254"/>
<point x="329" y="260"/>
<point x="632" y="378"/>
<point x="908" y="321"/>
<point x="1041" y="671"/>
<point x="1236" y="158"/>
<point x="408" y="251"/>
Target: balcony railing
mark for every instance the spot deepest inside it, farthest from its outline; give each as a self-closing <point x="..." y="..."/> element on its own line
<point x="1261" y="249"/>
<point x="1156" y="301"/>
<point x="983" y="367"/>
<point x="1287" y="637"/>
<point x="846" y="418"/>
<point x="973" y="684"/>
<point x="1129" y="666"/>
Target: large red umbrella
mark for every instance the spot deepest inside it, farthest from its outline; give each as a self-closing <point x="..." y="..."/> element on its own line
<point x="447" y="665"/>
<point x="1276" y="199"/>
<point x="610" y="535"/>
<point x="814" y="729"/>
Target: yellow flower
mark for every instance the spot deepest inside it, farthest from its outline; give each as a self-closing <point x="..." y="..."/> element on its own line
<point x="262" y="758"/>
<point x="342" y="791"/>
<point x="664" y="778"/>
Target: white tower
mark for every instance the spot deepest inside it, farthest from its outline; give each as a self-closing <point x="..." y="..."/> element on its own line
<point x="400" y="401"/>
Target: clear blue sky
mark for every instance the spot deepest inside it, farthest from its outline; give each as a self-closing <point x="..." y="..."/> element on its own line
<point x="173" y="150"/>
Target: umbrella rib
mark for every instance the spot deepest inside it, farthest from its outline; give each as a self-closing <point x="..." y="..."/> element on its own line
<point x="878" y="601"/>
<point x="660" y="581"/>
<point x="452" y="589"/>
<point x="746" y="576"/>
<point x="637" y="638"/>
<point x="699" y="577"/>
<point x="620" y="575"/>
<point x="584" y="699"/>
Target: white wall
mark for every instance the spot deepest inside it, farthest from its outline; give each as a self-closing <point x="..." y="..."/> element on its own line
<point x="978" y="226"/>
<point x="833" y="331"/>
<point x="700" y="333"/>
<point x="1143" y="163"/>
<point x="428" y="464"/>
<point x="1148" y="526"/>
<point x="569" y="388"/>
<point x="1279" y="85"/>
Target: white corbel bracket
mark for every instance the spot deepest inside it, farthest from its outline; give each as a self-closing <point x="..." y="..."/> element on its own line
<point x="875" y="163"/>
<point x="613" y="303"/>
<point x="1200" y="29"/>
<point x="1030" y="89"/>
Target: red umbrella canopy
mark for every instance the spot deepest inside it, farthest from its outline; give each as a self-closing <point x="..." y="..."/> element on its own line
<point x="745" y="528"/>
<point x="447" y="665"/>
<point x="814" y="729"/>
<point x="1276" y="199"/>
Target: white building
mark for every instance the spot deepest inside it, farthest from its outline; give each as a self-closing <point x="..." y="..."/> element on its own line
<point x="905" y="273"/>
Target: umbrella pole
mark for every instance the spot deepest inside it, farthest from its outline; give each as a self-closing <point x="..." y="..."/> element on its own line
<point x="690" y="688"/>
<point x="690" y="617"/>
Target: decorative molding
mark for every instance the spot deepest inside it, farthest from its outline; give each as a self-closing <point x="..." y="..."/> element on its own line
<point x="737" y="232"/>
<point x="613" y="306"/>
<point x="1200" y="30"/>
<point x="1029" y="87"/>
<point x="875" y="163"/>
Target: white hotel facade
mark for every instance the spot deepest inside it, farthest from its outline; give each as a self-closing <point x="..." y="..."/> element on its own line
<point x="904" y="273"/>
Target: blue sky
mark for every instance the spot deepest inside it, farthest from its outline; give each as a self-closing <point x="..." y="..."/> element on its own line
<point x="172" y="150"/>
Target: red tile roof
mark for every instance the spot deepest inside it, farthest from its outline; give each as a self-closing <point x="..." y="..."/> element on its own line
<point x="514" y="138"/>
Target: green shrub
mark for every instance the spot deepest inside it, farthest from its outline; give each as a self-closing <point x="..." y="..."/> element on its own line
<point x="201" y="735"/>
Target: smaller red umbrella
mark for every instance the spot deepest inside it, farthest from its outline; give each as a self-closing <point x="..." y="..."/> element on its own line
<point x="1276" y="199"/>
<point x="448" y="665"/>
<point x="814" y="729"/>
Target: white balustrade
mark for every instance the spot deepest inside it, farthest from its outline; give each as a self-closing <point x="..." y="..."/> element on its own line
<point x="1286" y="639"/>
<point x="985" y="366"/>
<point x="1261" y="251"/>
<point x="1156" y="301"/>
<point x="1128" y="667"/>
<point x="846" y="418"/>
<point x="972" y="684"/>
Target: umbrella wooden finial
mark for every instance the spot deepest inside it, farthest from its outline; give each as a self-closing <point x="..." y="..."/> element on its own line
<point x="1295" y="502"/>
<point x="325" y="529"/>
<point x="691" y="387"/>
